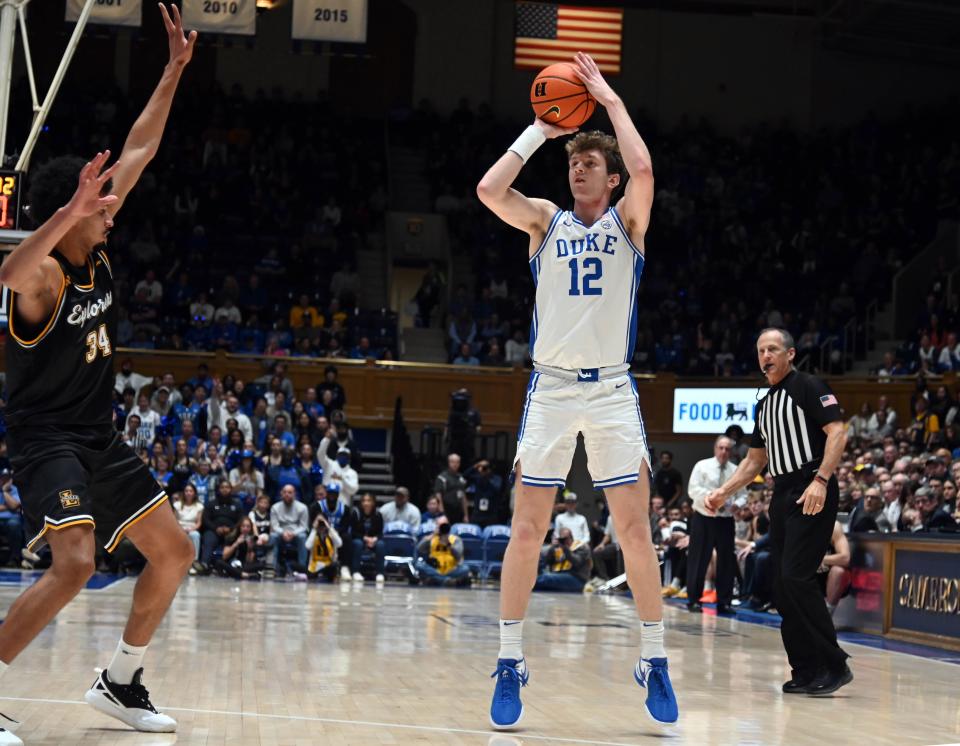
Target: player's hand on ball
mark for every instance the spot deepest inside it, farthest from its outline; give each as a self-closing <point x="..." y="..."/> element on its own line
<point x="181" y="45"/>
<point x="552" y="130"/>
<point x="87" y="200"/>
<point x="592" y="78"/>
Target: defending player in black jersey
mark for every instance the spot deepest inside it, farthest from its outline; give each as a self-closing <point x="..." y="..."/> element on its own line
<point x="78" y="482"/>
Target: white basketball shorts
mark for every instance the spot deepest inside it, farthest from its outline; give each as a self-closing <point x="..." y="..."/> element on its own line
<point x="601" y="403"/>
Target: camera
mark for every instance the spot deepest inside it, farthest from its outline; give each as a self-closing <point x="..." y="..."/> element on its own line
<point x="443" y="529"/>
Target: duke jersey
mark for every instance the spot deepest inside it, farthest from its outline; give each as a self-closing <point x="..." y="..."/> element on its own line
<point x="60" y="372"/>
<point x="586" y="280"/>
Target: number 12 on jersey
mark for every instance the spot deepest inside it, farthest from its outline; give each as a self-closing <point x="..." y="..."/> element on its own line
<point x="98" y="341"/>
<point x="593" y="271"/>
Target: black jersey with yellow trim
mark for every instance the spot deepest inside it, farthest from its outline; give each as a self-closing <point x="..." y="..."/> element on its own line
<point x="60" y="371"/>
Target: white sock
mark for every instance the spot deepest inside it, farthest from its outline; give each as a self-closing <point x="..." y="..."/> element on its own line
<point x="651" y="640"/>
<point x="511" y="639"/>
<point x="708" y="585"/>
<point x="125" y="663"/>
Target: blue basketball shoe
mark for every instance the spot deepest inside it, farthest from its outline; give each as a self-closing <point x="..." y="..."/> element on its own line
<point x="506" y="708"/>
<point x="652" y="675"/>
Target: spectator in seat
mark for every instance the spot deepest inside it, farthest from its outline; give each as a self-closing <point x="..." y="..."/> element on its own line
<point x="150" y="288"/>
<point x="606" y="555"/>
<point x="281" y="431"/>
<point x="340" y="474"/>
<point x="323" y="543"/>
<point x="239" y="559"/>
<point x="331" y="384"/>
<point x="10" y="517"/>
<point x="126" y="378"/>
<point x="486" y="489"/>
<point x="928" y="515"/>
<point x="338" y="515"/>
<point x="566" y="563"/>
<point x="517" y="351"/>
<point x="834" y="573"/>
<point x="571" y="519"/>
<point x="440" y="557"/>
<point x="924" y="426"/>
<point x="201" y="311"/>
<point x="339" y="438"/>
<point x="247" y="480"/>
<point x="367" y="536"/>
<point x="228" y="312"/>
<point x="401" y="509"/>
<point x="204" y="482"/>
<point x="668" y="482"/>
<point x="289" y="522"/>
<point x="462" y="331"/>
<point x="465" y="356"/>
<point x="149" y="419"/>
<point x="260" y="517"/>
<point x="189" y="512"/>
<point x="362" y="350"/>
<point x="433" y="510"/>
<point x="224" y="334"/>
<point x="305" y="320"/>
<point x="494" y="356"/>
<point x="219" y="519"/>
<point x="450" y="487"/>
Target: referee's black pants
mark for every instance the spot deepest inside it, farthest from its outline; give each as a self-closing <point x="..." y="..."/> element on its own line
<point x="798" y="543"/>
<point x="706" y="534"/>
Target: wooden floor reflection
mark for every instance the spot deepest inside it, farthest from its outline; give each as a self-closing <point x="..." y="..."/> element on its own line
<point x="288" y="663"/>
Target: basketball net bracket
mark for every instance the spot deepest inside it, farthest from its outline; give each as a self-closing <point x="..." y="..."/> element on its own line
<point x="13" y="15"/>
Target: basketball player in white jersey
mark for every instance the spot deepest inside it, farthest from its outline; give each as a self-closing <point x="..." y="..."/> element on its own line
<point x="586" y="265"/>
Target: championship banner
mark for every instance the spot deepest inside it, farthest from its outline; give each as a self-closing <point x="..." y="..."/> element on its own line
<point x="330" y="20"/>
<point x="108" y="12"/>
<point x="220" y="16"/>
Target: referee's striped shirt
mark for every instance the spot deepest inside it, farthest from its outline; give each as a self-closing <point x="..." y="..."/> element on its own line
<point x="790" y="421"/>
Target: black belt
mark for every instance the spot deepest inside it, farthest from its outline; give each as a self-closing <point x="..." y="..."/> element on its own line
<point x="806" y="471"/>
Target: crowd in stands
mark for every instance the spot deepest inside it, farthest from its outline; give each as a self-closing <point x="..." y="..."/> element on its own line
<point x="243" y="233"/>
<point x="894" y="477"/>
<point x="744" y="231"/>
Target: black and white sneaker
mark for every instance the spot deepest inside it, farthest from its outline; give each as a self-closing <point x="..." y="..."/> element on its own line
<point x="128" y="703"/>
<point x="7" y="726"/>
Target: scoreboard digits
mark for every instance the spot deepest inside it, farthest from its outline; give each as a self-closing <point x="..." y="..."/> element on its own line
<point x="10" y="199"/>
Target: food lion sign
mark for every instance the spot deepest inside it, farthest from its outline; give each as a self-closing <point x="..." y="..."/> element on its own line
<point x="711" y="411"/>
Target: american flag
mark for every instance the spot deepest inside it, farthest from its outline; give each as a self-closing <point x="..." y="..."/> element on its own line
<point x="548" y="33"/>
<point x="828" y="400"/>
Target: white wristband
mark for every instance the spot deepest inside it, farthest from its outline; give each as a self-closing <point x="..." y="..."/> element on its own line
<point x="528" y="142"/>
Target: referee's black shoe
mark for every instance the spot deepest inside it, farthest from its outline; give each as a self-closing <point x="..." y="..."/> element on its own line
<point x="829" y="681"/>
<point x="799" y="681"/>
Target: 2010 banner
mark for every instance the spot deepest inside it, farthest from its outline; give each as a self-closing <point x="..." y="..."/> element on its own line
<point x="330" y="20"/>
<point x="108" y="12"/>
<point x="220" y="16"/>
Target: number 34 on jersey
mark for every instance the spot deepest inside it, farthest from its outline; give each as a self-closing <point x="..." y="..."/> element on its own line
<point x="98" y="343"/>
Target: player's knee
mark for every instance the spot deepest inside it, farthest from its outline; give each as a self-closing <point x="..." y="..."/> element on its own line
<point x="183" y="553"/>
<point x="636" y="536"/>
<point x="73" y="567"/>
<point x="526" y="534"/>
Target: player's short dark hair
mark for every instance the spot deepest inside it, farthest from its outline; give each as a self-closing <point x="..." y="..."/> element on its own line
<point x="606" y="144"/>
<point x="53" y="184"/>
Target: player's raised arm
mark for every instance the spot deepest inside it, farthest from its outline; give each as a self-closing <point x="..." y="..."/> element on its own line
<point x="25" y="270"/>
<point x="144" y="138"/>
<point x="524" y="213"/>
<point x="634" y="206"/>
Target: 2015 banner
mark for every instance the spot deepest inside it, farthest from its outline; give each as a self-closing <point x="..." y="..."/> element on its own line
<point x="220" y="16"/>
<point x="330" y="20"/>
<point x="108" y="12"/>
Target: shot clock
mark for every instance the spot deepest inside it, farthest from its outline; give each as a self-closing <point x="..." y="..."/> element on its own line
<point x="10" y="199"/>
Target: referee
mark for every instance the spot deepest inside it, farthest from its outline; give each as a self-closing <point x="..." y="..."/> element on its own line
<point x="799" y="435"/>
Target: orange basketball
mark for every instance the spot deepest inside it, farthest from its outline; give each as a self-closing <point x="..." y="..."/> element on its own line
<point x="558" y="97"/>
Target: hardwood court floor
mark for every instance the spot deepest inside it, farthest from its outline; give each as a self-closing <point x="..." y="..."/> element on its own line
<point x="287" y="663"/>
